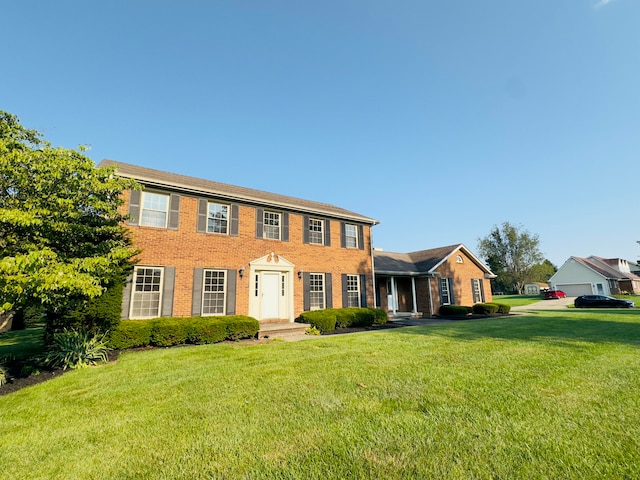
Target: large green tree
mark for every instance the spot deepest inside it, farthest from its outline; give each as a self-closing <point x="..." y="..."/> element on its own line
<point x="511" y="253"/>
<point x="62" y="239"/>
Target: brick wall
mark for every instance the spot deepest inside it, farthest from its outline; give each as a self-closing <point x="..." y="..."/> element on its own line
<point x="186" y="249"/>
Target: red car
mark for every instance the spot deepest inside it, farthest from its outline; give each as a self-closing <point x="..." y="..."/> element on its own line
<point x="551" y="294"/>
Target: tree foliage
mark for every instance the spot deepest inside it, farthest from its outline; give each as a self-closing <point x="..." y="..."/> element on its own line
<point x="511" y="253"/>
<point x="61" y="231"/>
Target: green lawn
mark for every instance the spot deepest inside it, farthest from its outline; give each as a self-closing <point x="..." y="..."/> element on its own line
<point x="546" y="395"/>
<point x="517" y="300"/>
<point x="20" y="344"/>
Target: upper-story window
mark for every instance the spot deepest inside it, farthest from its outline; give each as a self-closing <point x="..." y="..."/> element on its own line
<point x="154" y="209"/>
<point x="316" y="234"/>
<point x="271" y="222"/>
<point x="218" y="218"/>
<point x="351" y="236"/>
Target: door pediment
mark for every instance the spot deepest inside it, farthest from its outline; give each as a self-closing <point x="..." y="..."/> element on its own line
<point x="271" y="261"/>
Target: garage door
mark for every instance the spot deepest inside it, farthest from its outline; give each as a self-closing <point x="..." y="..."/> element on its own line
<point x="575" y="289"/>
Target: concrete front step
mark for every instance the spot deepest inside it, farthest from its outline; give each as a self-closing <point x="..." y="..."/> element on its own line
<point x="282" y="330"/>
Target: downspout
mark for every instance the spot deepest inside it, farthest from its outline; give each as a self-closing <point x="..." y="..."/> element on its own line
<point x="373" y="268"/>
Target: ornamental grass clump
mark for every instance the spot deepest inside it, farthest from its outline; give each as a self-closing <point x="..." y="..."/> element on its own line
<point x="76" y="349"/>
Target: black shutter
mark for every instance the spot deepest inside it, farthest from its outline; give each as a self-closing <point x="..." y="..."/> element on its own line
<point x="203" y="207"/>
<point x="285" y="227"/>
<point x="481" y="290"/>
<point x="361" y="237"/>
<point x="167" y="291"/>
<point x="174" y="212"/>
<point x="328" y="290"/>
<point x="451" y="296"/>
<point x="343" y="236"/>
<point x="231" y="292"/>
<point x="306" y="300"/>
<point x="233" y="227"/>
<point x="305" y="229"/>
<point x="259" y="222"/>
<point x="196" y="296"/>
<point x="126" y="298"/>
<point x="363" y="291"/>
<point x="134" y="207"/>
<point x="327" y="232"/>
<point x="345" y="290"/>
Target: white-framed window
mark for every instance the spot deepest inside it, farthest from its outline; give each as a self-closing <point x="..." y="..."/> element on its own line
<point x="459" y="259"/>
<point x="445" y="291"/>
<point x="271" y="225"/>
<point x="353" y="291"/>
<point x="351" y="235"/>
<point x="316" y="291"/>
<point x="316" y="231"/>
<point x="476" y="285"/>
<point x="146" y="294"/>
<point x="217" y="218"/>
<point x="154" y="209"/>
<point x="213" y="292"/>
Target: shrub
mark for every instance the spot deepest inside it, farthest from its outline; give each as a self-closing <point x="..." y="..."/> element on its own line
<point x="323" y="320"/>
<point x="4" y="375"/>
<point x="453" y="311"/>
<point x="169" y="331"/>
<point x="203" y="330"/>
<point x="166" y="332"/>
<point x="95" y="315"/>
<point x="380" y="317"/>
<point x="239" y="327"/>
<point x="345" y="317"/>
<point x="312" y="331"/>
<point x="485" y="308"/>
<point x="131" y="334"/>
<point x="503" y="308"/>
<point x="76" y="349"/>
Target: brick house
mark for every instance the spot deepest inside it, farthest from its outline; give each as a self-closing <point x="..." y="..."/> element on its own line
<point x="209" y="248"/>
<point x="418" y="283"/>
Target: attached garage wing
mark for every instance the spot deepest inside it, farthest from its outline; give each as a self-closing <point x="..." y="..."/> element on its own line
<point x="575" y="289"/>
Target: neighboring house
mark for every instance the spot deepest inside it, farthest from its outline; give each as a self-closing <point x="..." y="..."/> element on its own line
<point x="595" y="275"/>
<point x="535" y="288"/>
<point x="418" y="283"/>
<point x="209" y="248"/>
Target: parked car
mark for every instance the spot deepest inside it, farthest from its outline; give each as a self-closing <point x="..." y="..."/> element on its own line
<point x="551" y="294"/>
<point x="602" y="301"/>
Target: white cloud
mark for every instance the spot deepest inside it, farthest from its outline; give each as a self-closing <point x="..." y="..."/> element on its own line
<point x="602" y="3"/>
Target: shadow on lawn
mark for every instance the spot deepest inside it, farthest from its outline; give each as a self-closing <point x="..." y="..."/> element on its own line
<point x="530" y="327"/>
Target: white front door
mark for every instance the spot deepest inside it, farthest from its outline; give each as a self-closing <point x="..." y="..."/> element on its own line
<point x="270" y="291"/>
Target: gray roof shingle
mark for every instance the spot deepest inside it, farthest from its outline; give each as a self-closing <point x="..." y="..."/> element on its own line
<point x="198" y="186"/>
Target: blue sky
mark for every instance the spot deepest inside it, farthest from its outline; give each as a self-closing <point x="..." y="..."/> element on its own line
<point x="440" y="119"/>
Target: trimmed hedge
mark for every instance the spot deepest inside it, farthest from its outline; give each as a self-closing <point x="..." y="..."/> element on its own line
<point x="323" y="320"/>
<point x="166" y="332"/>
<point x="503" y="308"/>
<point x="329" y="319"/>
<point x="485" y="308"/>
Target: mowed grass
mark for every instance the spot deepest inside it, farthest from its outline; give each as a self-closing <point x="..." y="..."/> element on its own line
<point x="545" y="395"/>
<point x="517" y="300"/>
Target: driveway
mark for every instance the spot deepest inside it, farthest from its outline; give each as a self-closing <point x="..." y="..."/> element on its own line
<point x="555" y="304"/>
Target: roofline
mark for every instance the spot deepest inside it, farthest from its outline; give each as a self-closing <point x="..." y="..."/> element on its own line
<point x="255" y="200"/>
<point x="474" y="259"/>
